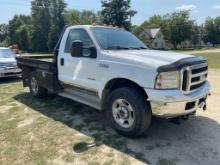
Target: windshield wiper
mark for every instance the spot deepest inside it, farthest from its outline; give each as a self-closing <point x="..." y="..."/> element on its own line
<point x="138" y="48"/>
<point x="117" y="48"/>
<point x="124" y="48"/>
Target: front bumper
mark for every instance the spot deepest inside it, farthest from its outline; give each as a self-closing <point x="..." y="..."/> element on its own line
<point x="9" y="72"/>
<point x="174" y="103"/>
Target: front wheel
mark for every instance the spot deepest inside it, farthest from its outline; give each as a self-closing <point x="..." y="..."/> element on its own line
<point x="35" y="89"/>
<point x="129" y="112"/>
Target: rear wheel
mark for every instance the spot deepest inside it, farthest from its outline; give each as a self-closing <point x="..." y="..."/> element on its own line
<point x="129" y="112"/>
<point x="35" y="89"/>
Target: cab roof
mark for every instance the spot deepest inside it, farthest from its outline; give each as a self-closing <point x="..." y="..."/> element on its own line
<point x="92" y="26"/>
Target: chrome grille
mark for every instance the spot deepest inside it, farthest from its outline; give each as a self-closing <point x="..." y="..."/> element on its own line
<point x="194" y="77"/>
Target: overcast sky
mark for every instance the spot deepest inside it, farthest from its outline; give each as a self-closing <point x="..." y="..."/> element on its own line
<point x="145" y="8"/>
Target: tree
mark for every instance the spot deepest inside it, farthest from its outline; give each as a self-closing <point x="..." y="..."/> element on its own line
<point x="57" y="22"/>
<point x="86" y="17"/>
<point x="40" y="24"/>
<point x="176" y="27"/>
<point x="72" y="17"/>
<point x="180" y="27"/>
<point x="3" y="35"/>
<point x="117" y="12"/>
<point x="212" y="30"/>
<point x="196" y="34"/>
<point x="18" y="31"/>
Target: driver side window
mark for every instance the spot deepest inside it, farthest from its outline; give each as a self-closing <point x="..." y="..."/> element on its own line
<point x="78" y="34"/>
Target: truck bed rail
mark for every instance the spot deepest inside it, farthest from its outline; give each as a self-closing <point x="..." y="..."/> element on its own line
<point x="39" y="62"/>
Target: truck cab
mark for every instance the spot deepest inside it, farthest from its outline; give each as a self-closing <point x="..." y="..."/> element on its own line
<point x="110" y="69"/>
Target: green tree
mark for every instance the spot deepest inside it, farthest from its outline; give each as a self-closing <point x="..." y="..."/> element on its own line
<point x="57" y="22"/>
<point x="18" y="31"/>
<point x="176" y="27"/>
<point x="179" y="27"/>
<point x="196" y="34"/>
<point x="40" y="24"/>
<point x="72" y="17"/>
<point x="117" y="12"/>
<point x="211" y="31"/>
<point x="3" y="35"/>
<point x="86" y="17"/>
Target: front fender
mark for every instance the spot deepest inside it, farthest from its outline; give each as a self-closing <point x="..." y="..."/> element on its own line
<point x="144" y="77"/>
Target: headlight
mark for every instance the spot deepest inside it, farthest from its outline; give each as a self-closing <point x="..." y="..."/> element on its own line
<point x="168" y="80"/>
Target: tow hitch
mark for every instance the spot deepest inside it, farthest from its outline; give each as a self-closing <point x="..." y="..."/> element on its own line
<point x="202" y="104"/>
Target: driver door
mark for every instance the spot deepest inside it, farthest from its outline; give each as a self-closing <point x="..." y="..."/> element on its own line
<point x="78" y="71"/>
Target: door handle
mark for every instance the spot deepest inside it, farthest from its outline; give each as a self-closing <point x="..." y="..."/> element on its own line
<point x="62" y="61"/>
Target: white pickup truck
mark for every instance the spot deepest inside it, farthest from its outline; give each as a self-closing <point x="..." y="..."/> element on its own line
<point x="110" y="69"/>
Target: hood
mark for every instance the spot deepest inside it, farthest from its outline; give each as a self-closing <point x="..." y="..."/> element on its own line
<point x="144" y="58"/>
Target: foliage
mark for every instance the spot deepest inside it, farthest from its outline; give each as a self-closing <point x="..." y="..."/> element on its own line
<point x="3" y="34"/>
<point x="18" y="31"/>
<point x="117" y="12"/>
<point x="39" y="31"/>
<point x="176" y="27"/>
<point x="181" y="27"/>
<point x="212" y="30"/>
<point x="86" y="17"/>
<point x="57" y="22"/>
<point x="41" y="24"/>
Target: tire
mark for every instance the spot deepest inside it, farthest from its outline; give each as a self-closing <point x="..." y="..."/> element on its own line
<point x="137" y="107"/>
<point x="35" y="89"/>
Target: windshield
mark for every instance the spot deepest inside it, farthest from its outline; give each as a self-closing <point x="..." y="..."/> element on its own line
<point x="6" y="53"/>
<point x="112" y="38"/>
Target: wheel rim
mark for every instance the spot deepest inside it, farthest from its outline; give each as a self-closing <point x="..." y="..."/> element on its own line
<point x="123" y="113"/>
<point x="34" y="85"/>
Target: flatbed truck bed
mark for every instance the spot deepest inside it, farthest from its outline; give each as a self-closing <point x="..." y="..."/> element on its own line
<point x="45" y="69"/>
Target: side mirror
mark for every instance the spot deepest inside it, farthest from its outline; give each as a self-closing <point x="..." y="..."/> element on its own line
<point x="93" y="53"/>
<point x="77" y="48"/>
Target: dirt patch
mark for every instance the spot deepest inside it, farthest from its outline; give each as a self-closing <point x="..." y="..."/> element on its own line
<point x="5" y="108"/>
<point x="26" y="122"/>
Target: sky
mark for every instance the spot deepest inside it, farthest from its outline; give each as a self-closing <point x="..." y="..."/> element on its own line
<point x="200" y="9"/>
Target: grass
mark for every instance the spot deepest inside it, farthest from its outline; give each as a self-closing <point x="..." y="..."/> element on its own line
<point x="50" y="130"/>
<point x="213" y="56"/>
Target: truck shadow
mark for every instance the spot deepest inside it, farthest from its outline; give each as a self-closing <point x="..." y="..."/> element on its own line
<point x="162" y="140"/>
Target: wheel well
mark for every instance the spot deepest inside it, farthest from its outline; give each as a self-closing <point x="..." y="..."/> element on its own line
<point x="119" y="83"/>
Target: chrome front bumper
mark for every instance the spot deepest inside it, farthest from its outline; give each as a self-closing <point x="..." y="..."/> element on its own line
<point x="173" y="103"/>
<point x="10" y="72"/>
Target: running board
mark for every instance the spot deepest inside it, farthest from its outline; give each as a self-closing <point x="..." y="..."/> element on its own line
<point x="82" y="97"/>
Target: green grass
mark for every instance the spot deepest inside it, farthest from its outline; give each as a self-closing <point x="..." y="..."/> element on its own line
<point x="213" y="58"/>
<point x="46" y="131"/>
